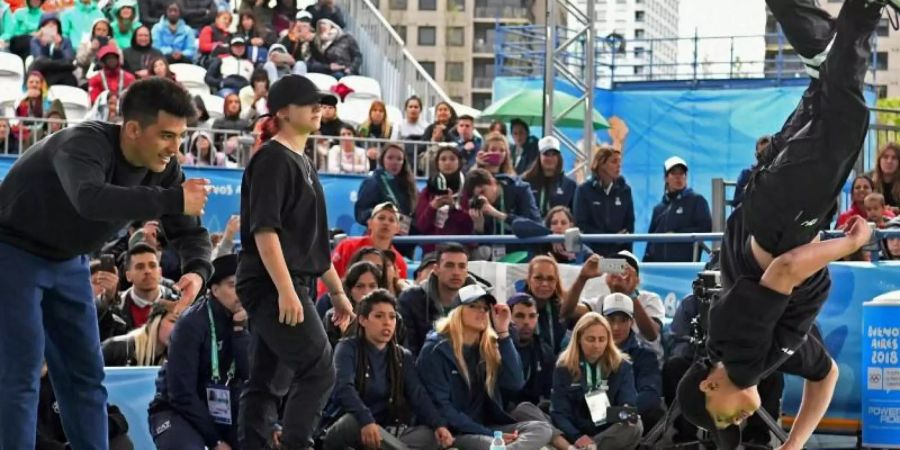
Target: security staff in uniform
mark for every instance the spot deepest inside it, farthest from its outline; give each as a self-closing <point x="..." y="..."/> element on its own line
<point x="197" y="389"/>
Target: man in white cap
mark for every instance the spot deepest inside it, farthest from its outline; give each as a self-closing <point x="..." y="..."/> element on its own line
<point x="618" y="309"/>
<point x="681" y="211"/>
<point x="648" y="309"/>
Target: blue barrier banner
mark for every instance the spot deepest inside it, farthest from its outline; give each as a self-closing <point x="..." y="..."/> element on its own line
<point x="132" y="389"/>
<point x="881" y="382"/>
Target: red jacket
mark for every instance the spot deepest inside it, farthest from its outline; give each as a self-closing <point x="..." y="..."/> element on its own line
<point x="96" y="85"/>
<point x="212" y="37"/>
<point x="458" y="221"/>
<point x="854" y="211"/>
<point x="344" y="251"/>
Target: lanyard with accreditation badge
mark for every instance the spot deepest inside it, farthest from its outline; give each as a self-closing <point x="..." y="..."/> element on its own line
<point x="218" y="396"/>
<point x="595" y="397"/>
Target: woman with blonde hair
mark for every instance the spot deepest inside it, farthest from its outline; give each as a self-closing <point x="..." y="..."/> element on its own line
<point x="886" y="175"/>
<point x="603" y="204"/>
<point x="466" y="363"/>
<point x="376" y="126"/>
<point x="591" y="375"/>
<point x="146" y="345"/>
<point x="494" y="156"/>
<point x="544" y="283"/>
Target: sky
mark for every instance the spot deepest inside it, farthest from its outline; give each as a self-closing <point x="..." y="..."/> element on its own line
<point x="718" y="18"/>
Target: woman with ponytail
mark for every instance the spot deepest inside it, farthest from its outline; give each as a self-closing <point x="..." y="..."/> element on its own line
<point x="284" y="230"/>
<point x="466" y="363"/>
<point x="145" y="345"/>
<point x="378" y="394"/>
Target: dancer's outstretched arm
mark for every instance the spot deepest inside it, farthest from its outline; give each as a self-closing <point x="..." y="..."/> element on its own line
<point x="816" y="398"/>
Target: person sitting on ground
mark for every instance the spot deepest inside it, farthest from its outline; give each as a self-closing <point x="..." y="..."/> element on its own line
<point x="232" y="72"/>
<point x="378" y="391"/>
<point x="862" y="186"/>
<point x="618" y="309"/>
<point x="495" y="157"/>
<point x="174" y="38"/>
<point x="125" y="22"/>
<point x="549" y="183"/>
<point x="649" y="311"/>
<point x="495" y="203"/>
<point x="137" y="58"/>
<point x="438" y="209"/>
<point x="393" y="181"/>
<point x="543" y="283"/>
<point x="681" y="211"/>
<point x="876" y="210"/>
<point x="466" y="363"/>
<point x="361" y="279"/>
<point x="370" y="255"/>
<point x="538" y="357"/>
<point x="111" y="76"/>
<point x="467" y="141"/>
<point x="214" y="39"/>
<point x="422" y="305"/>
<point x="347" y="157"/>
<point x="524" y="151"/>
<point x="207" y="362"/>
<point x="334" y="51"/>
<point x="382" y="227"/>
<point x="145" y="345"/>
<point x="591" y="375"/>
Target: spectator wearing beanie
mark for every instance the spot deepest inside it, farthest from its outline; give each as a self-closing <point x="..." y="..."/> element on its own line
<point x="174" y="38"/>
<point x="111" y="76"/>
<point x="214" y="37"/>
<point x="79" y="21"/>
<point x="546" y="176"/>
<point x="334" y="51"/>
<point x="58" y="112"/>
<point x="603" y="204"/>
<point x="137" y="58"/>
<point x="24" y="22"/>
<point x="438" y="209"/>
<point x="125" y="22"/>
<point x="525" y="146"/>
<point x="680" y="211"/>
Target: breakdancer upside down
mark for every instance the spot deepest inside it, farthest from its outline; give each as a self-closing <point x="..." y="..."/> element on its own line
<point x="774" y="271"/>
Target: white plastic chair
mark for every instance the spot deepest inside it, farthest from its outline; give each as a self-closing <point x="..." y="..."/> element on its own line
<point x="192" y="77"/>
<point x="76" y="101"/>
<point x="12" y="73"/>
<point x="354" y="112"/>
<point x="322" y="81"/>
<point x="215" y="106"/>
<point x="394" y="114"/>
<point x="363" y="87"/>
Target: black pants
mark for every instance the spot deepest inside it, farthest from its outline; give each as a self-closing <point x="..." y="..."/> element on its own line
<point x="796" y="183"/>
<point x="756" y="431"/>
<point x="287" y="363"/>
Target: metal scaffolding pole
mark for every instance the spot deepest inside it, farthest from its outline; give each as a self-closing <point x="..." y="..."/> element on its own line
<point x="580" y="24"/>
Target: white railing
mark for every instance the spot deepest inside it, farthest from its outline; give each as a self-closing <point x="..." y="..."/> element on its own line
<point x="386" y="58"/>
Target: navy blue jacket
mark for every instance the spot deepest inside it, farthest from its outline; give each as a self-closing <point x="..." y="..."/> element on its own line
<point x="741" y="186"/>
<point x="679" y="212"/>
<point x="526" y="156"/>
<point x="568" y="408"/>
<point x="597" y="212"/>
<point x="183" y="379"/>
<point x="647" y="375"/>
<point x="538" y="361"/>
<point x="516" y="201"/>
<point x="560" y="193"/>
<point x="370" y="408"/>
<point x="372" y="191"/>
<point x="450" y="392"/>
<point x="681" y="327"/>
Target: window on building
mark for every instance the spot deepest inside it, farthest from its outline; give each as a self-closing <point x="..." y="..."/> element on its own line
<point x="454" y="72"/>
<point x="639" y="33"/>
<point x="639" y="16"/>
<point x="456" y="5"/>
<point x="456" y="36"/>
<point x="881" y="61"/>
<point x="398" y="5"/>
<point x="884" y="29"/>
<point x="427" y="36"/>
<point x="401" y="30"/>
<point x="427" y="5"/>
<point x="428" y="66"/>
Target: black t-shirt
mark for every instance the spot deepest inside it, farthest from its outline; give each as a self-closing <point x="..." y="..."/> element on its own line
<point x="281" y="191"/>
<point x="73" y="190"/>
<point x="752" y="329"/>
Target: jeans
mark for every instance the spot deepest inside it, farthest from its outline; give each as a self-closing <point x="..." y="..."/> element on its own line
<point x="49" y="313"/>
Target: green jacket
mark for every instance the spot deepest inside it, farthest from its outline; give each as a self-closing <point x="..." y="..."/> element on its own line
<point x="77" y="21"/>
<point x="123" y="40"/>
<point x="6" y="20"/>
<point x="24" y="22"/>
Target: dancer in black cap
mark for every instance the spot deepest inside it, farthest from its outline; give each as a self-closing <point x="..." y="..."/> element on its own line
<point x="284" y="232"/>
<point x="773" y="268"/>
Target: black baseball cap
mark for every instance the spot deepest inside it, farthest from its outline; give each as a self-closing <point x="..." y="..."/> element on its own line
<point x="693" y="407"/>
<point x="293" y="90"/>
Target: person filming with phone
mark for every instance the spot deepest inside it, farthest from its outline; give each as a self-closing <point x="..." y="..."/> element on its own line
<point x="495" y="203"/>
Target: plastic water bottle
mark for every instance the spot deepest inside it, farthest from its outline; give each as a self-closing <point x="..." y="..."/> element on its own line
<point x="497" y="443"/>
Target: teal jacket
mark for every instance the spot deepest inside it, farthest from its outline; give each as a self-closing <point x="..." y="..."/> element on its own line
<point x="24" y="22"/>
<point x="77" y="21"/>
<point x="183" y="39"/>
<point x="123" y="39"/>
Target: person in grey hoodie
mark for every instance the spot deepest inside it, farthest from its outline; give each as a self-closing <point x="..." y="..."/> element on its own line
<point x="202" y="152"/>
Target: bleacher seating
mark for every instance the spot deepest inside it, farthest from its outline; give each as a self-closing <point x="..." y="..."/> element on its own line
<point x="191" y="77"/>
<point x="322" y="81"/>
<point x="76" y="102"/>
<point x="354" y="111"/>
<point x="12" y="72"/>
<point x="363" y="87"/>
<point x="215" y="105"/>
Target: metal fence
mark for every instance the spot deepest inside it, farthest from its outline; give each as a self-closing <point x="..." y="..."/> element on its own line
<point x="386" y="57"/>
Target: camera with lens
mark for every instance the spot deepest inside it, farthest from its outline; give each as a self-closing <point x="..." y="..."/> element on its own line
<point x="476" y="202"/>
<point x="707" y="287"/>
